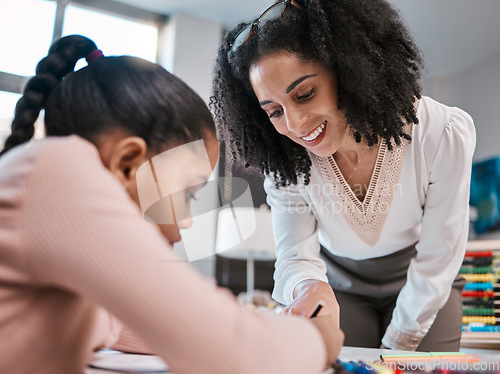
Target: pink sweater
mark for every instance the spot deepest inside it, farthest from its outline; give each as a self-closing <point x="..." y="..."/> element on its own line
<point x="73" y="246"/>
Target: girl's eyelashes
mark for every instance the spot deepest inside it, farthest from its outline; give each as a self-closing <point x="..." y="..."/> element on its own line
<point x="190" y="196"/>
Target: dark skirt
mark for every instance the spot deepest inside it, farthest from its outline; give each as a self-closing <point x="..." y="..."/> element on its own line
<point x="367" y="291"/>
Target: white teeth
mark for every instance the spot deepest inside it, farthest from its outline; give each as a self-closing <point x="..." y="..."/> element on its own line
<point x="315" y="134"/>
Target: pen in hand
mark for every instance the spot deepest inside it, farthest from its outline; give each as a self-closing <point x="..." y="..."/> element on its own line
<point x="318" y="308"/>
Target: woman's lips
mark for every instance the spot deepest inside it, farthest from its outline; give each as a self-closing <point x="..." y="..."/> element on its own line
<point x="316" y="136"/>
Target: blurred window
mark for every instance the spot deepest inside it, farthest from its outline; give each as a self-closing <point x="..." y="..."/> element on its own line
<point x="26" y="27"/>
<point x="113" y="35"/>
<point x="8" y="102"/>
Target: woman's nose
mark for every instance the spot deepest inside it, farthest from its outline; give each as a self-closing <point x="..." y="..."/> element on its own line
<point x="296" y="122"/>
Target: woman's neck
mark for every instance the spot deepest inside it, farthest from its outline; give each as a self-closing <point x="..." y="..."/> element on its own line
<point x="350" y="151"/>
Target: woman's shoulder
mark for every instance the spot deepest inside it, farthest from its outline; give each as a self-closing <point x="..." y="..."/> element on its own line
<point x="437" y="120"/>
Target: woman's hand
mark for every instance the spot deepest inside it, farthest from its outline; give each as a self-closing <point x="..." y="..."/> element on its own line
<point x="308" y="294"/>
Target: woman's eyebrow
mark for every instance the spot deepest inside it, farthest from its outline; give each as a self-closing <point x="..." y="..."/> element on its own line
<point x="290" y="87"/>
<point x="298" y="81"/>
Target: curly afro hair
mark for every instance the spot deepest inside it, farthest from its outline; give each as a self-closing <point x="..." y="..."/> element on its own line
<point x="363" y="42"/>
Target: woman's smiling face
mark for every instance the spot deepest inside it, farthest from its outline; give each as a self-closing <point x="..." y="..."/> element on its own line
<point x="300" y="99"/>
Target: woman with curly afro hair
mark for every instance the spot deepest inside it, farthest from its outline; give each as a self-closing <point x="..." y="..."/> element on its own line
<point x="367" y="179"/>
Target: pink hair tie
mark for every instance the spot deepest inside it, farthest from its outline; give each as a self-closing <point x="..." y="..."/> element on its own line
<point x="94" y="55"/>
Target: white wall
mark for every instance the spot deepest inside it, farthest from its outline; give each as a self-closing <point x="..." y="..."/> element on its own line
<point x="477" y="91"/>
<point x="189" y="47"/>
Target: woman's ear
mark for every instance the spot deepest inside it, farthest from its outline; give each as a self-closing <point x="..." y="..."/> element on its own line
<point x="125" y="157"/>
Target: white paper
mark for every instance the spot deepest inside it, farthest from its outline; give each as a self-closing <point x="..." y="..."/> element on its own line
<point x="130" y="363"/>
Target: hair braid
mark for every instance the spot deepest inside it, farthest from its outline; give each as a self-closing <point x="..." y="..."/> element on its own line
<point x="50" y="71"/>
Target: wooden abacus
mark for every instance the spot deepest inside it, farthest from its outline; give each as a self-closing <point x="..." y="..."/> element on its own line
<point x="481" y="296"/>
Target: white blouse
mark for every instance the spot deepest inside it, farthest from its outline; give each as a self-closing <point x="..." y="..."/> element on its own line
<point x="418" y="193"/>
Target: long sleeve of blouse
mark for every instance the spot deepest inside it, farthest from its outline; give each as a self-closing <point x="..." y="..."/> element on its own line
<point x="444" y="228"/>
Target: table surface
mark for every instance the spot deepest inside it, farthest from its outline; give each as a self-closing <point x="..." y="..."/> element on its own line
<point x="356" y="354"/>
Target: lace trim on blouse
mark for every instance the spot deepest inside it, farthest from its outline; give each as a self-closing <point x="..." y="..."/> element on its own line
<point x="396" y="339"/>
<point x="366" y="217"/>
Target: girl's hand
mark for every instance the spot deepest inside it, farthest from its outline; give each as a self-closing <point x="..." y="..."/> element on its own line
<point x="308" y="294"/>
<point x="333" y="337"/>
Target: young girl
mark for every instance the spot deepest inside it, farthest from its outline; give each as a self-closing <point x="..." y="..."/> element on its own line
<point x="368" y="181"/>
<point x="75" y="249"/>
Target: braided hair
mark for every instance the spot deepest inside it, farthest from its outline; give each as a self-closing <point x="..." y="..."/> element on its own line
<point x="362" y="42"/>
<point x="60" y="61"/>
<point x="117" y="92"/>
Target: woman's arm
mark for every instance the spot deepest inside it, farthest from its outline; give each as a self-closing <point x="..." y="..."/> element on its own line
<point x="443" y="237"/>
<point x="300" y="275"/>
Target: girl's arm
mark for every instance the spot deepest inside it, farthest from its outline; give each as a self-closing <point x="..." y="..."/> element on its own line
<point x="83" y="233"/>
